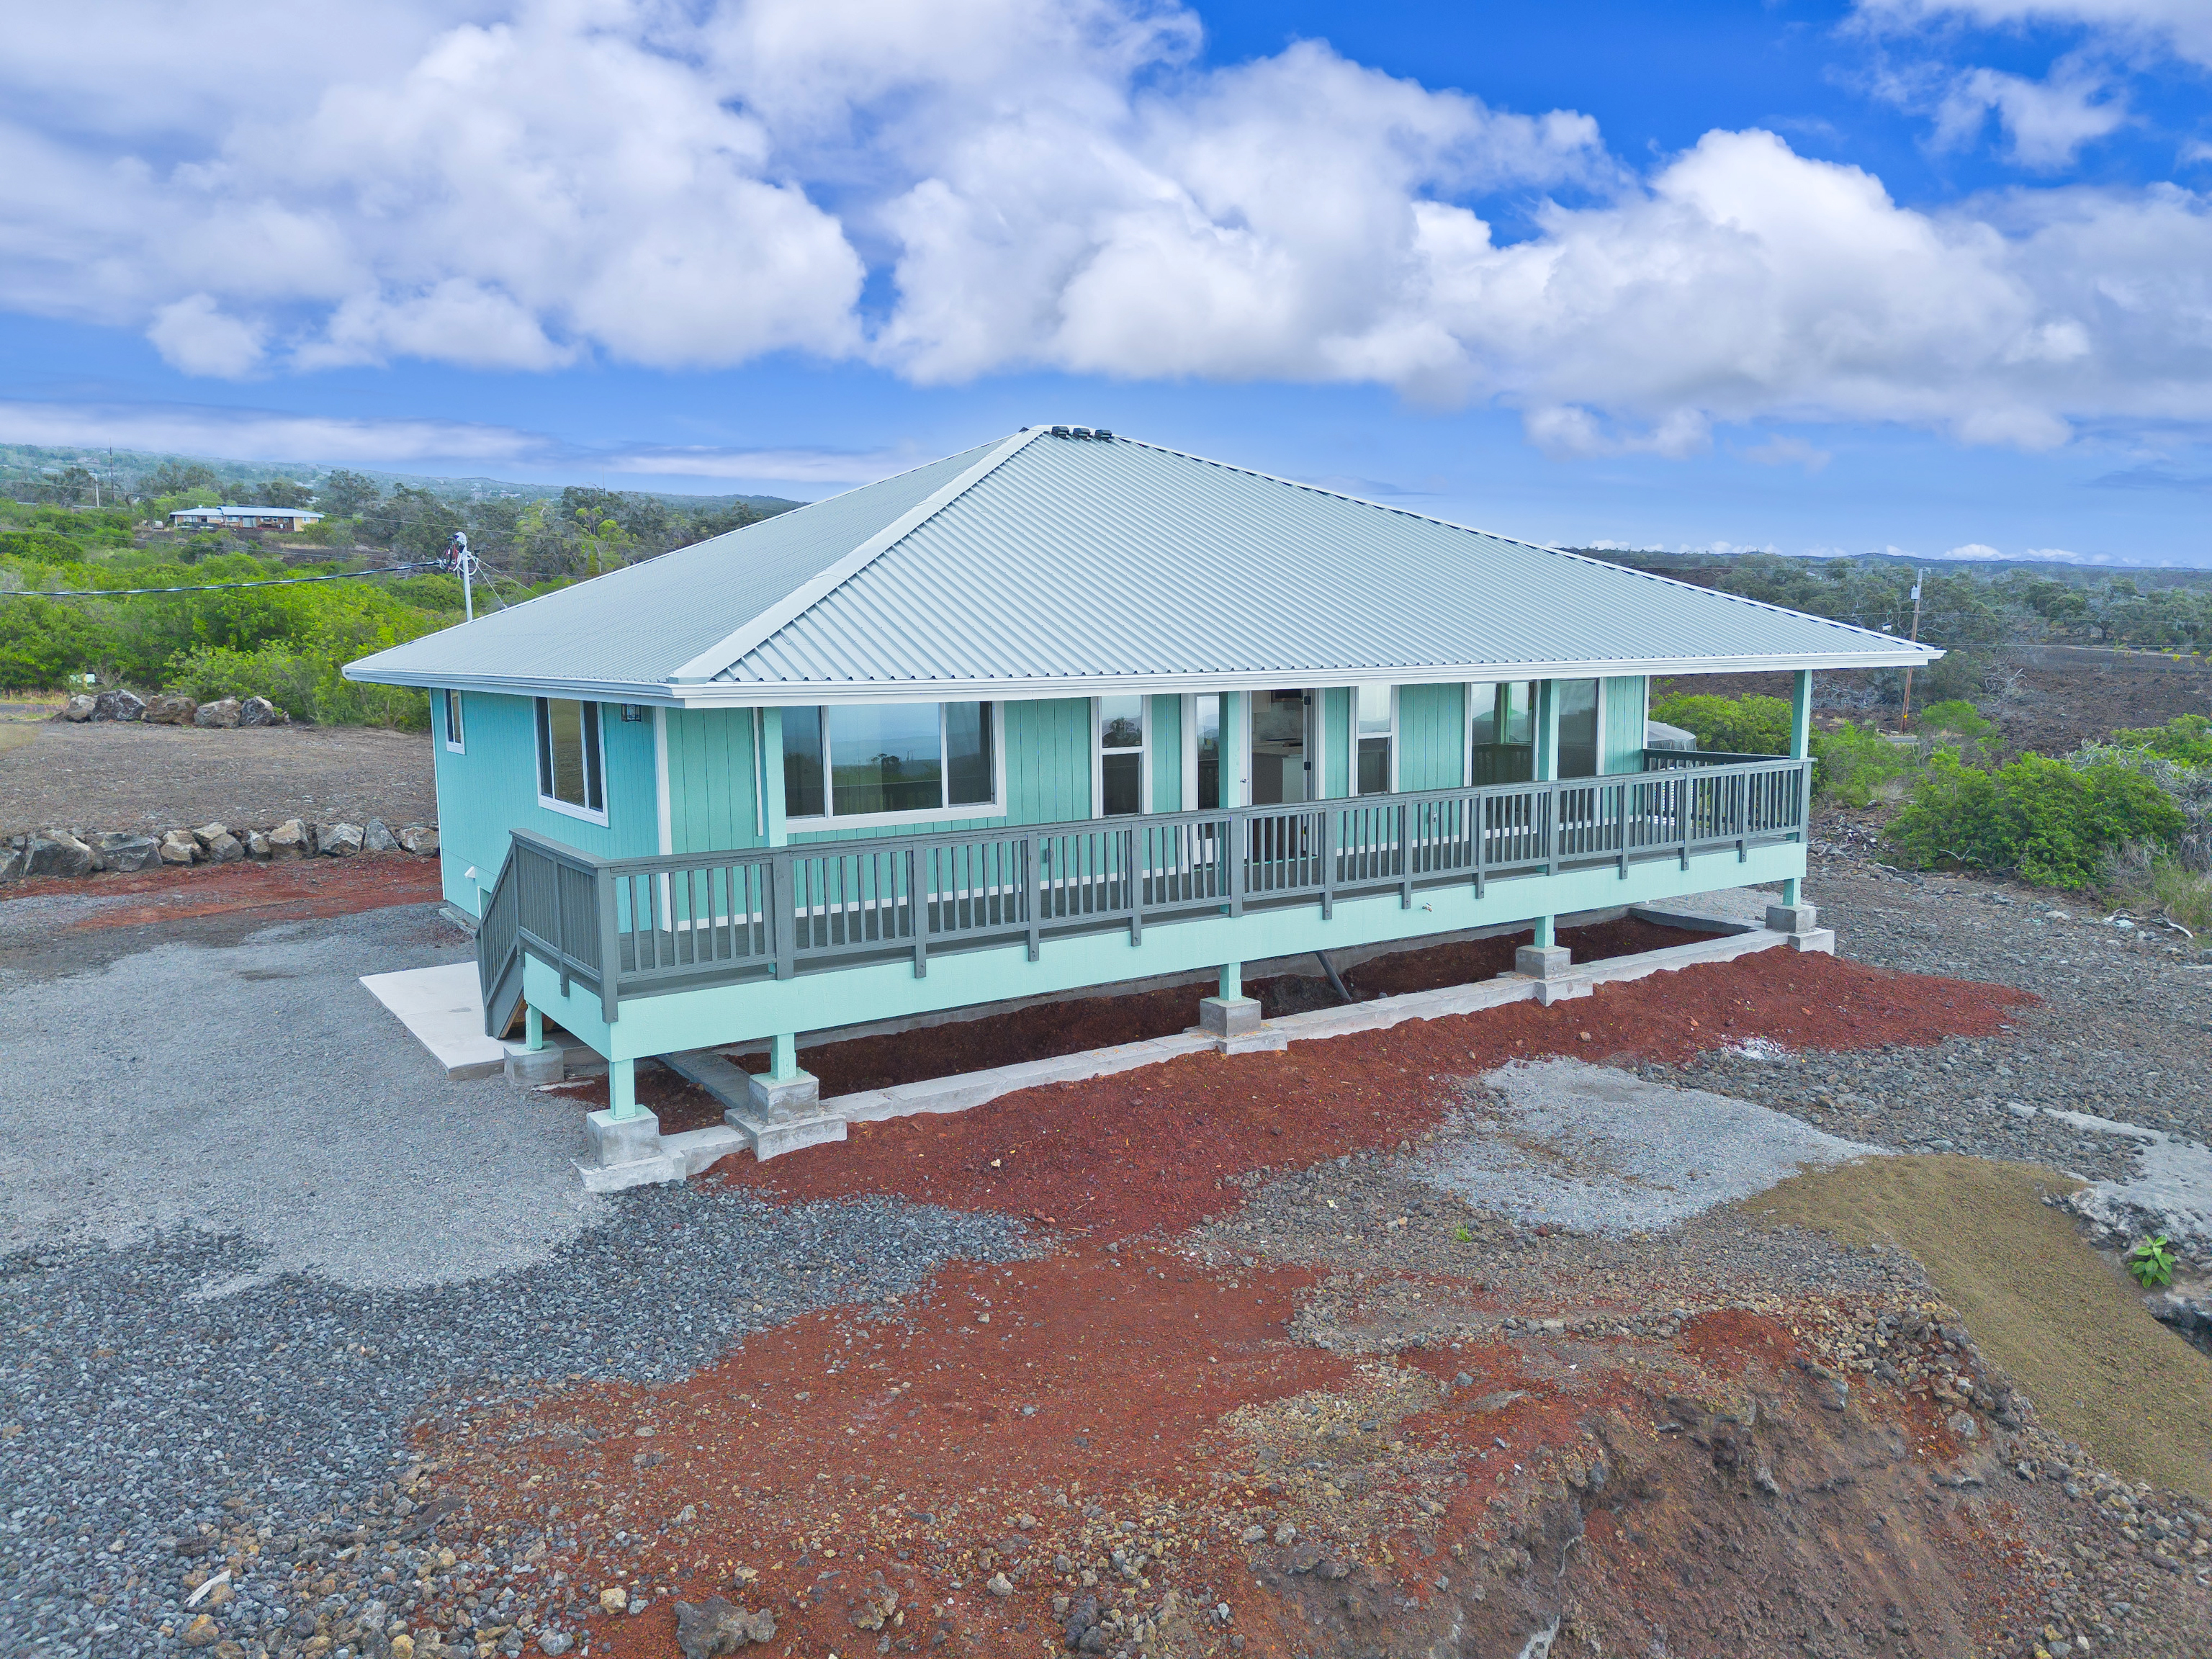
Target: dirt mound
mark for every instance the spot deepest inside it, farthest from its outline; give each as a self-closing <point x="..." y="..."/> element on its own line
<point x="2060" y="1320"/>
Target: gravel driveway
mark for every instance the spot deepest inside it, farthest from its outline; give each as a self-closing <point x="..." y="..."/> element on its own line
<point x="252" y="1234"/>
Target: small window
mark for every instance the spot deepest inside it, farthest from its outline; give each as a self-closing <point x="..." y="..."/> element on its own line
<point x="453" y="738"/>
<point x="1207" y="725"/>
<point x="1374" y="720"/>
<point x="875" y="759"/>
<point x="1577" y="728"/>
<point x="1120" y="756"/>
<point x="569" y="771"/>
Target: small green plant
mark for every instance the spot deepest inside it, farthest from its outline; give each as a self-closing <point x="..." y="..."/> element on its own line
<point x="2152" y="1263"/>
<point x="1464" y="1236"/>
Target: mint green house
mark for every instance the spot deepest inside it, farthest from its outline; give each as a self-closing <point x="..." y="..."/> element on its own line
<point x="1065" y="710"/>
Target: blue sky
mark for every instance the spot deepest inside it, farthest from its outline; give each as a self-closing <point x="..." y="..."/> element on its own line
<point x="1835" y="277"/>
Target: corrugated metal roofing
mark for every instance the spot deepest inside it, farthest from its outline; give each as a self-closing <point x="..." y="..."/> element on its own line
<point x="1073" y="562"/>
<point x="636" y="625"/>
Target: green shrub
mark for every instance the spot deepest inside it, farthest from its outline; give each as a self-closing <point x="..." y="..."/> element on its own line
<point x="2187" y="740"/>
<point x="1956" y="719"/>
<point x="2050" y="822"/>
<point x="1736" y="726"/>
<point x="1854" y="761"/>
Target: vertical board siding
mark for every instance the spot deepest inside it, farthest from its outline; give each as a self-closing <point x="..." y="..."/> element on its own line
<point x="1164" y="733"/>
<point x="492" y="790"/>
<point x="1047" y="773"/>
<point x="1620" y="723"/>
<point x="712" y="780"/>
<point x="1431" y="731"/>
<point x="1336" y="740"/>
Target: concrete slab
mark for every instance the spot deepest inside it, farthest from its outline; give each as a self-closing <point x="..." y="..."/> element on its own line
<point x="1728" y="910"/>
<point x="442" y="1008"/>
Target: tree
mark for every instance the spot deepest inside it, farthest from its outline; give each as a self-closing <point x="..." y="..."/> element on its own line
<point x="178" y="477"/>
<point x="349" y="494"/>
<point x="281" y="492"/>
<point x="411" y="520"/>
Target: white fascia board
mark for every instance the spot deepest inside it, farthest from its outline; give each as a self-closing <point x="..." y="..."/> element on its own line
<point x="752" y="694"/>
<point x="649" y="692"/>
<point x="712" y="661"/>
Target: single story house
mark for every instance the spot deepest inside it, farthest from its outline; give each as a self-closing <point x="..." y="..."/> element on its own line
<point x="1065" y="710"/>
<point x="243" y="518"/>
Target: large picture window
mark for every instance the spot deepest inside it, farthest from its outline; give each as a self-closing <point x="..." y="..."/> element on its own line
<point x="872" y="759"/>
<point x="569" y="775"/>
<point x="1577" y="728"/>
<point x="1120" y="756"/>
<point x="1502" y="733"/>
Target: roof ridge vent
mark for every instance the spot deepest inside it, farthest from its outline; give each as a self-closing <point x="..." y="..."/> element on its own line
<point x="1100" y="434"/>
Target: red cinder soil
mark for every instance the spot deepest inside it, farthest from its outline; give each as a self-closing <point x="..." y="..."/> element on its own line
<point x="1155" y="1148"/>
<point x="295" y="889"/>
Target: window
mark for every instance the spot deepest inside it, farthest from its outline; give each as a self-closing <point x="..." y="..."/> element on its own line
<point x="568" y="773"/>
<point x="1374" y="709"/>
<point x="875" y="759"/>
<point x="1577" y="728"/>
<point x="1502" y="732"/>
<point x="453" y="740"/>
<point x="1120" y="756"/>
<point x="1205" y="725"/>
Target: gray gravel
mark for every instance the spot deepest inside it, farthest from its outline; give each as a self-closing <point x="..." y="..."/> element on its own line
<point x="135" y="1409"/>
<point x="254" y="1088"/>
<point x="1599" y="1150"/>
<point x="252" y="1235"/>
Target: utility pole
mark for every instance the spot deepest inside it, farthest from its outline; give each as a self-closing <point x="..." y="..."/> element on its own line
<point x="465" y="562"/>
<point x="1904" y="714"/>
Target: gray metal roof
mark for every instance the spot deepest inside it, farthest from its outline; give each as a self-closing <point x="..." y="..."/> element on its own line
<point x="1044" y="565"/>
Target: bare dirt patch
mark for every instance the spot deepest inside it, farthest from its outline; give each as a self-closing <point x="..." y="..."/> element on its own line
<point x="124" y="775"/>
<point x="2059" y="1318"/>
<point x="286" y="891"/>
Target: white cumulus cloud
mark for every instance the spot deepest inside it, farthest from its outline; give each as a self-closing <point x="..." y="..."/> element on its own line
<point x="959" y="188"/>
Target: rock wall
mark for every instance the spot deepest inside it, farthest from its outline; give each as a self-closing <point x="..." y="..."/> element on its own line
<point x="84" y="852"/>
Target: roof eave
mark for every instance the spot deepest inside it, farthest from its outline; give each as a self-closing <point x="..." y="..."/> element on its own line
<point x="726" y="693"/>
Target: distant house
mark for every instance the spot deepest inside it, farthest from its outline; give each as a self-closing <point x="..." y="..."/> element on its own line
<point x="1065" y="710"/>
<point x="243" y="518"/>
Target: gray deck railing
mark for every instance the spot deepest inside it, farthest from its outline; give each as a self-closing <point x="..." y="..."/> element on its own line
<point x="637" y="927"/>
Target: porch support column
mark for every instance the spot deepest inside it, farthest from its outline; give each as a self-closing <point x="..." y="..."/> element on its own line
<point x="783" y="1057"/>
<point x="1545" y="955"/>
<point x="784" y="1092"/>
<point x="1800" y="748"/>
<point x="622" y="1134"/>
<point x="1232" y="1014"/>
<point x="534" y="1028"/>
<point x="771" y="778"/>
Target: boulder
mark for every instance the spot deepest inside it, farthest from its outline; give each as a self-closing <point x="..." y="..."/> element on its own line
<point x="716" y="1628"/>
<point x="376" y="838"/>
<point x="258" y="846"/>
<point x="339" y="840"/>
<point x="79" y="707"/>
<point x="171" y="710"/>
<point x="58" y="853"/>
<point x="259" y="711"/>
<point x="291" y="839"/>
<point x="178" y="847"/>
<point x="11" y="863"/>
<point x="420" y="839"/>
<point x="120" y="849"/>
<point x="221" y="845"/>
<point x="224" y="713"/>
<point x="118" y="705"/>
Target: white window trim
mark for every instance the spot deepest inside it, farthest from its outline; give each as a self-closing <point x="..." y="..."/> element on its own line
<point x="563" y="807"/>
<point x="995" y="807"/>
<point x="1144" y="752"/>
<point x="1352" y="745"/>
<point x="457" y="721"/>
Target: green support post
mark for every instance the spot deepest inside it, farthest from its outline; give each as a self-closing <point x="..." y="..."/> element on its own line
<point x="779" y="833"/>
<point x="534" y="1029"/>
<point x="1801" y="746"/>
<point x="783" y="1057"/>
<point x="621" y="1088"/>
<point x="1232" y="981"/>
<point x="1544" y="765"/>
